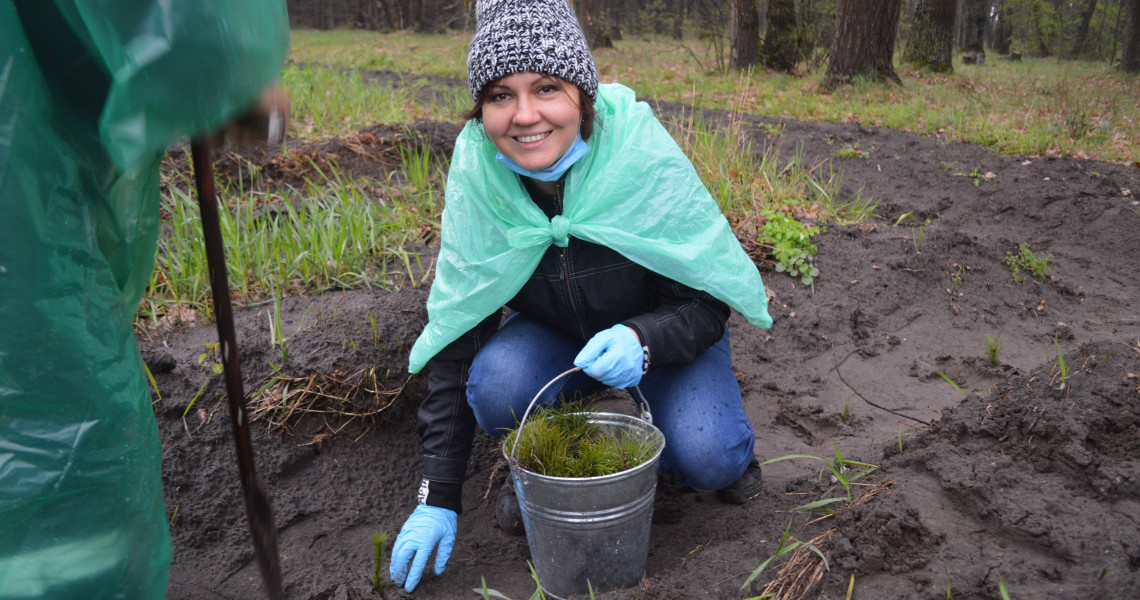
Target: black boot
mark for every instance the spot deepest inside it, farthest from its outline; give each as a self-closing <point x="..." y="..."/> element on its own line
<point x="747" y="487"/>
<point x="510" y="516"/>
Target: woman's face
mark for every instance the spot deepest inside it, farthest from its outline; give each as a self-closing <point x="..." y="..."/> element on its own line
<point x="532" y="118"/>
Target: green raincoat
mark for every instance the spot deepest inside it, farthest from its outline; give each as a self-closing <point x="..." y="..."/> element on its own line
<point x="633" y="191"/>
<point x="91" y="93"/>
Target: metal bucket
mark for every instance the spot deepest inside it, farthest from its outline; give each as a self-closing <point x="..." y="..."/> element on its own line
<point x="590" y="529"/>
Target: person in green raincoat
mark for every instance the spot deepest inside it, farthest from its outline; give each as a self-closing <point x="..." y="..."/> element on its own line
<point x="570" y="204"/>
<point x="91" y="93"/>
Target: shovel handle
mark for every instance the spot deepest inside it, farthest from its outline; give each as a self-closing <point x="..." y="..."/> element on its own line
<point x="257" y="506"/>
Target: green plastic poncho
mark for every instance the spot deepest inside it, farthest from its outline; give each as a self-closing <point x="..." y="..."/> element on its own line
<point x="91" y="93"/>
<point x="633" y="191"/>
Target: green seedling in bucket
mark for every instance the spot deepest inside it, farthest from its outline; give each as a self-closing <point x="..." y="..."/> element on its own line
<point x="563" y="442"/>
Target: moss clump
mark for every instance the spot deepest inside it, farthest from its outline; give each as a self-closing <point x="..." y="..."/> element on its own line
<point x="562" y="442"/>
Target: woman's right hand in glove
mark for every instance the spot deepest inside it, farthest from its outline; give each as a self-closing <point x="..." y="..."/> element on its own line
<point x="427" y="527"/>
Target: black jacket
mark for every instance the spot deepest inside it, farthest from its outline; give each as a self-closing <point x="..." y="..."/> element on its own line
<point x="579" y="290"/>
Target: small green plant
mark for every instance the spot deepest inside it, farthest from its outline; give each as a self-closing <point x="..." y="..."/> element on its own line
<point x="946" y="377"/>
<point x="918" y="234"/>
<point x="1059" y="373"/>
<point x="845" y="472"/>
<point x="787" y="544"/>
<point x="977" y="176"/>
<point x="1001" y="587"/>
<point x="1026" y="259"/>
<point x="849" y="151"/>
<point x="191" y="404"/>
<point x="153" y="385"/>
<point x="276" y="331"/>
<point x="994" y="344"/>
<point x="792" y="250"/>
<point x="564" y="441"/>
<point x="375" y="330"/>
<point x="379" y="547"/>
<point x="210" y="358"/>
<point x="956" y="279"/>
<point x="845" y="412"/>
<point x="488" y="593"/>
<point x="772" y="129"/>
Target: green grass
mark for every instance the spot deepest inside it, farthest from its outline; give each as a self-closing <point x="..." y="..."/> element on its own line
<point x="745" y="183"/>
<point x="326" y="102"/>
<point x="1034" y="107"/>
<point x="347" y="234"/>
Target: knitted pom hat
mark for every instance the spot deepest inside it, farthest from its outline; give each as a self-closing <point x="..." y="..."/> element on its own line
<point x="541" y="36"/>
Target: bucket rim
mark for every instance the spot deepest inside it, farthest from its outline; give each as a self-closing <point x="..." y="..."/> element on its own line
<point x="626" y="419"/>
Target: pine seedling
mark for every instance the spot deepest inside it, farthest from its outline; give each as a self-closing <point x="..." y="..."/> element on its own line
<point x="379" y="547"/>
<point x="564" y="442"/>
<point x="994" y="345"/>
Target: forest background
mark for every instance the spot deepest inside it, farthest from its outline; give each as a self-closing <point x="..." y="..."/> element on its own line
<point x="1070" y="95"/>
<point x="786" y="34"/>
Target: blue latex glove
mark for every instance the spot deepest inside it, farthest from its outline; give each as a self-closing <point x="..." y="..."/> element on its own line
<point x="426" y="527"/>
<point x="614" y="357"/>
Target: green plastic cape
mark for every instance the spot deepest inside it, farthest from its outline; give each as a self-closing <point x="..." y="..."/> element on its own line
<point x="633" y="191"/>
<point x="91" y="92"/>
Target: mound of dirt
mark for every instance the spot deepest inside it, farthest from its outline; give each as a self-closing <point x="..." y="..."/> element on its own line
<point x="1019" y="478"/>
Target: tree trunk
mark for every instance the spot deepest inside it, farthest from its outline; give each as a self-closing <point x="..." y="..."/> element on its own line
<point x="974" y="32"/>
<point x="932" y="36"/>
<point x="780" y="41"/>
<point x="678" y="19"/>
<point x="745" y="43"/>
<point x="1130" y="54"/>
<point x="864" y="42"/>
<point x="999" y="42"/>
<point x="433" y="17"/>
<point x="592" y="26"/>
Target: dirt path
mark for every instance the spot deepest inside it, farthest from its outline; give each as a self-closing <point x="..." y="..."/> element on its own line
<point x="1019" y="479"/>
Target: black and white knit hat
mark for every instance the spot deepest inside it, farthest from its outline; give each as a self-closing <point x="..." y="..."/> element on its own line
<point x="541" y="36"/>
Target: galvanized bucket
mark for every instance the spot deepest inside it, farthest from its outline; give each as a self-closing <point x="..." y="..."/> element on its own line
<point x="590" y="532"/>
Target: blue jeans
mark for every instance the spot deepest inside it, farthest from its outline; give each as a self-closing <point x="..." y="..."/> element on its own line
<point x="708" y="437"/>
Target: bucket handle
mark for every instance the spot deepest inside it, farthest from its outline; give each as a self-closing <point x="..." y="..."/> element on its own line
<point x="646" y="415"/>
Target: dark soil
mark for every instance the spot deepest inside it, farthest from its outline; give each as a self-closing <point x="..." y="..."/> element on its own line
<point x="1023" y="480"/>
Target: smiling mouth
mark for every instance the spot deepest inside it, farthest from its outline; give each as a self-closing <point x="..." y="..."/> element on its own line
<point x="526" y="139"/>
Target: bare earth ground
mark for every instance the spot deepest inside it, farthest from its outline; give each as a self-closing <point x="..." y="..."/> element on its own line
<point x="1018" y="479"/>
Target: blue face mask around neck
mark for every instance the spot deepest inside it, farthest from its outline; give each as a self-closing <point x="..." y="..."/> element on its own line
<point x="553" y="172"/>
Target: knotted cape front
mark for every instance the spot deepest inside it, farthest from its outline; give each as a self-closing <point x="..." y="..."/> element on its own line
<point x="634" y="191"/>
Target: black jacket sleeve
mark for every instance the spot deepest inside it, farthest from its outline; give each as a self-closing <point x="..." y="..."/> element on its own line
<point x="683" y="323"/>
<point x="446" y="422"/>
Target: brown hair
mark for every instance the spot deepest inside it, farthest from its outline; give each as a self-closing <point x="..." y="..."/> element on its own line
<point x="584" y="104"/>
